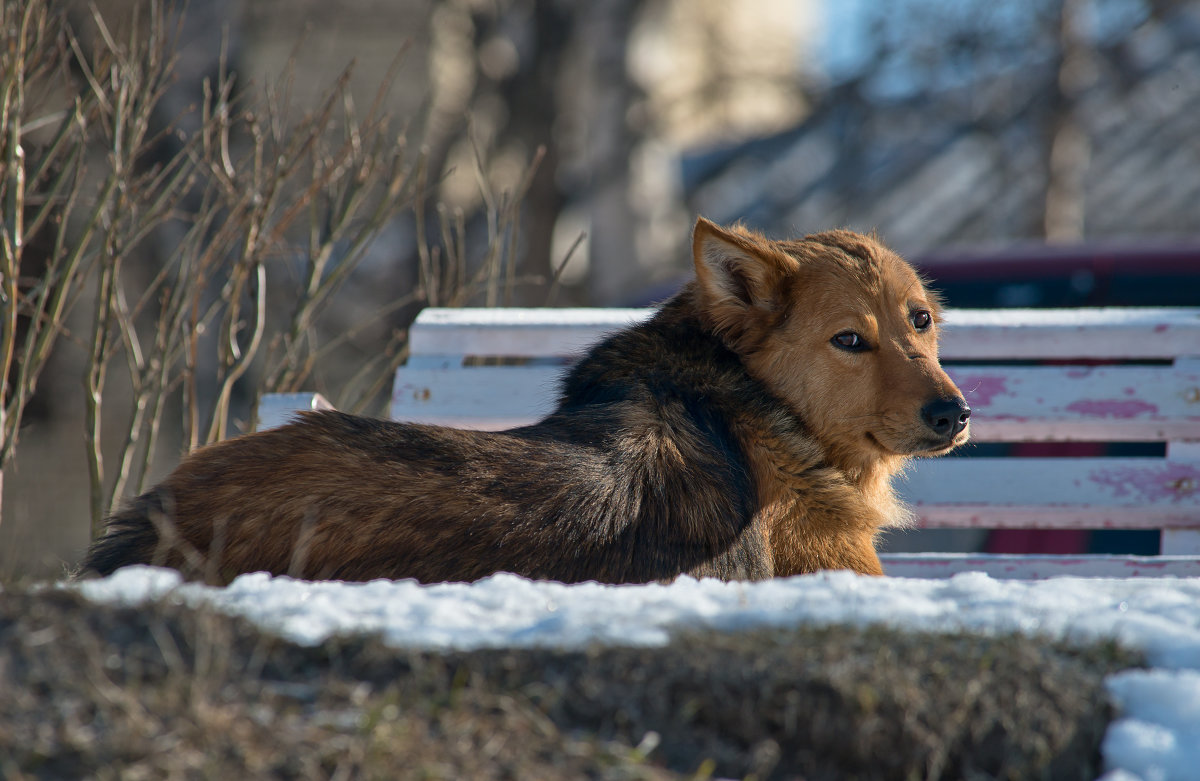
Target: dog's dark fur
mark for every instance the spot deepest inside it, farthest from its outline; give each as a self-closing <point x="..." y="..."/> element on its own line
<point x="730" y="435"/>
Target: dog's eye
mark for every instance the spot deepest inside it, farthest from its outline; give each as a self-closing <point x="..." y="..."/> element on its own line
<point x="921" y="320"/>
<point x="848" y="340"/>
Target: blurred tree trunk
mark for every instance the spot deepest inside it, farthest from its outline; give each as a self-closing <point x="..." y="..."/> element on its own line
<point x="532" y="95"/>
<point x="1069" y="148"/>
<point x="559" y="71"/>
<point x="615" y="270"/>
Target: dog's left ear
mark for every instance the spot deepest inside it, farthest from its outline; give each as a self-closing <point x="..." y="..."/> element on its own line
<point x="739" y="275"/>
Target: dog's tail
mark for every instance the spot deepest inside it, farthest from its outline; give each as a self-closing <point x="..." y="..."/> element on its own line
<point x="132" y="535"/>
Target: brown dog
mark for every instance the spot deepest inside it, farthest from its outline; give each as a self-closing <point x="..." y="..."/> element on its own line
<point x="751" y="428"/>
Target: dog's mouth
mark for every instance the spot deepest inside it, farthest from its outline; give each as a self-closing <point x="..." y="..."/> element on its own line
<point x="942" y="446"/>
<point x="921" y="446"/>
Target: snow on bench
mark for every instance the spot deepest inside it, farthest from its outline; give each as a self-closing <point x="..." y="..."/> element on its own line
<point x="1029" y="376"/>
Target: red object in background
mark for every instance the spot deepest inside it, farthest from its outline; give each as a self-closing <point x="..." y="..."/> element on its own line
<point x="1060" y="541"/>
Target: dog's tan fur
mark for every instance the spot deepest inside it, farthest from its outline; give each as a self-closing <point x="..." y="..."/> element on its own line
<point x="750" y="429"/>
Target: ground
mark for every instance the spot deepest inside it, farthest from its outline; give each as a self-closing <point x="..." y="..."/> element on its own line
<point x="165" y="690"/>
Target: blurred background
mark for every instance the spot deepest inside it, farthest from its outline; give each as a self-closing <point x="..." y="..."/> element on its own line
<point x="1024" y="153"/>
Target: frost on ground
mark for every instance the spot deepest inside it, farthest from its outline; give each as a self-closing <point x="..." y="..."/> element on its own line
<point x="1156" y="737"/>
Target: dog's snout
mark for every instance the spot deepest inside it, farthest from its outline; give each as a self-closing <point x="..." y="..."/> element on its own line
<point x="947" y="417"/>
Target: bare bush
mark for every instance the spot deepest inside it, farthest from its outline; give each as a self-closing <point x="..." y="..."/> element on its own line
<point x="254" y="201"/>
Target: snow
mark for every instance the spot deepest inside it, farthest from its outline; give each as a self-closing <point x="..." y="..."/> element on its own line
<point x="1159" y="736"/>
<point x="1156" y="737"/>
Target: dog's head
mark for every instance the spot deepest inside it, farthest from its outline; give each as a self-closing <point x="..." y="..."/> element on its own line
<point x="840" y="328"/>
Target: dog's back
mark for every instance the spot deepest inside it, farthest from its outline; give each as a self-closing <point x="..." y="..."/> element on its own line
<point x="636" y="478"/>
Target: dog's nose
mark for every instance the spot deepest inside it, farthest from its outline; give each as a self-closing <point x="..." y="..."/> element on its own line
<point x="947" y="417"/>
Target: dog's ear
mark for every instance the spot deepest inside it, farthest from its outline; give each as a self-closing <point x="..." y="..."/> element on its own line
<point x="739" y="274"/>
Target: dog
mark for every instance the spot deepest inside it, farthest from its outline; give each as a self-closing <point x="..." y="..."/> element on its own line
<point x="750" y="429"/>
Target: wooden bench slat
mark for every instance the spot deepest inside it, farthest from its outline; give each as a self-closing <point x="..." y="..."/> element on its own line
<point x="1036" y="566"/>
<point x="1080" y="403"/>
<point x="1182" y="541"/>
<point x="1092" y="493"/>
<point x="516" y="332"/>
<point x="969" y="334"/>
<point x="276" y="409"/>
<point x="489" y="398"/>
<point x="1103" y="404"/>
<point x="1048" y="334"/>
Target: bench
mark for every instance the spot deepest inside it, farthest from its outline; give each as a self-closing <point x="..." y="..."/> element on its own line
<point x="1084" y="375"/>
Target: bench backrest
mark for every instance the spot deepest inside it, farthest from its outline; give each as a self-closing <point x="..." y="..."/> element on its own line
<point x="1084" y="375"/>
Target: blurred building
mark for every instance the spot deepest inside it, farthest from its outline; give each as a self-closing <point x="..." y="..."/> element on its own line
<point x="976" y="163"/>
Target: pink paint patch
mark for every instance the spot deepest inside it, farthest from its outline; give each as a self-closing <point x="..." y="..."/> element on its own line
<point x="1130" y="391"/>
<point x="1112" y="408"/>
<point x="1158" y="329"/>
<point x="1173" y="483"/>
<point x="980" y="389"/>
<point x="1078" y="374"/>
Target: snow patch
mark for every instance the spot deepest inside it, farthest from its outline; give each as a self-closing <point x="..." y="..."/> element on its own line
<point x="1156" y="737"/>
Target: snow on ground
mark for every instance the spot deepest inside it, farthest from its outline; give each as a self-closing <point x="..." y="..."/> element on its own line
<point x="1157" y="737"/>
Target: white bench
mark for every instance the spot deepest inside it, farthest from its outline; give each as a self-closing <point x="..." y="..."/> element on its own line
<point x="498" y="368"/>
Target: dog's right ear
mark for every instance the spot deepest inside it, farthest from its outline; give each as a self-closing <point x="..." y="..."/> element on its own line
<point x="739" y="274"/>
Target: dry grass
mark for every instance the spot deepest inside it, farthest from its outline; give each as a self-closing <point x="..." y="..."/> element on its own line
<point x="183" y="266"/>
<point x="162" y="691"/>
